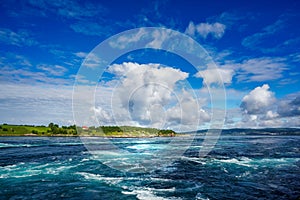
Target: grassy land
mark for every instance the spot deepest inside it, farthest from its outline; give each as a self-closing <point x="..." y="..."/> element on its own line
<point x="30" y="130"/>
<point x="103" y="131"/>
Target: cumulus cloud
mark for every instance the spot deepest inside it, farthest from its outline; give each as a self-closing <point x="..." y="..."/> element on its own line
<point x="258" y="100"/>
<point x="150" y="95"/>
<point x="261" y="109"/>
<point x="217" y="76"/>
<point x="216" y="30"/>
<point x="143" y="86"/>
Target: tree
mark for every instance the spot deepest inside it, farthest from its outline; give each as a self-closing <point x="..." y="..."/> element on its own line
<point x="51" y="125"/>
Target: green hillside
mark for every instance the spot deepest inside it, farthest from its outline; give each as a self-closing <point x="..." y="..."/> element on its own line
<point x="102" y="131"/>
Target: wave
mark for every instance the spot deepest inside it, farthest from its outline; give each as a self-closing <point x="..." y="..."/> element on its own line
<point x="140" y="192"/>
<point x="98" y="177"/>
<point x="144" y="193"/>
<point x="9" y="145"/>
<point x="256" y="163"/>
<point x="22" y="170"/>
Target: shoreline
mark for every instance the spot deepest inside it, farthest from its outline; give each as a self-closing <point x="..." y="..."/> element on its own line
<point x="91" y="136"/>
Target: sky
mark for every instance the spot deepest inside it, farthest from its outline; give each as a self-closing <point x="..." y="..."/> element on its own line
<point x="251" y="80"/>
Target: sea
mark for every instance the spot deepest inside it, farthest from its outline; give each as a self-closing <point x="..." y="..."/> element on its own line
<point x="237" y="167"/>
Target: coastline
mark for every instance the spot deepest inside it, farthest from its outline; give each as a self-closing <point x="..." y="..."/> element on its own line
<point x="61" y="135"/>
<point x="54" y="130"/>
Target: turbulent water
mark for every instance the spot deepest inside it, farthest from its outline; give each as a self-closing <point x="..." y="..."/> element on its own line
<point x="239" y="167"/>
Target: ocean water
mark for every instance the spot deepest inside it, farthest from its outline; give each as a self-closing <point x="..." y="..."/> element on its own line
<point x="238" y="167"/>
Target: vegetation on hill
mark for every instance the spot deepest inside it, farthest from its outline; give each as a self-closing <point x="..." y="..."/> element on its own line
<point x="104" y="131"/>
<point x="124" y="131"/>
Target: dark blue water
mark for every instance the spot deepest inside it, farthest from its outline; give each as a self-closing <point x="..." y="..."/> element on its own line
<point x="239" y="167"/>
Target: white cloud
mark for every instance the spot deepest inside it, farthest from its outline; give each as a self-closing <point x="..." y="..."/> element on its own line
<point x="55" y="70"/>
<point x="158" y="38"/>
<point x="25" y="76"/>
<point x="216" y="30"/>
<point x="35" y="104"/>
<point x="90" y="28"/>
<point x="145" y="85"/>
<point x="45" y="103"/>
<point x="270" y="114"/>
<point x="81" y="54"/>
<point x="12" y="59"/>
<point x="93" y="61"/>
<point x="149" y="95"/>
<point x="258" y="101"/>
<point x="217" y="76"/>
<point x="258" y="69"/>
<point x="188" y="111"/>
<point x="20" y="38"/>
<point x="233" y="19"/>
<point x="257" y="40"/>
<point x="124" y="40"/>
<point x="261" y="109"/>
<point x="68" y="9"/>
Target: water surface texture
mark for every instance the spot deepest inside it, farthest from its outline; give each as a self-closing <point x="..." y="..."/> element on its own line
<point x="239" y="167"/>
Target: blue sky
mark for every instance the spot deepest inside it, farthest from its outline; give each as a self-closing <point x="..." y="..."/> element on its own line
<point x="254" y="44"/>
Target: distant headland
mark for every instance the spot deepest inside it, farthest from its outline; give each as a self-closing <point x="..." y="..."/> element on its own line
<point x="101" y="131"/>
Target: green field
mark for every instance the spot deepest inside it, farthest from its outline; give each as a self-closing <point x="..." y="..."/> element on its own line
<point x="31" y="130"/>
<point x="102" y="131"/>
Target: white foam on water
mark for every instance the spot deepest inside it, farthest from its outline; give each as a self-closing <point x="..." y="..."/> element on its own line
<point x="242" y="162"/>
<point x="276" y="162"/>
<point x="196" y="146"/>
<point x="54" y="170"/>
<point x="139" y="147"/>
<point x="106" y="153"/>
<point x="19" y="173"/>
<point x="6" y="145"/>
<point x="146" y="146"/>
<point x="144" y="141"/>
<point x="22" y="170"/>
<point x="11" y="167"/>
<point x="145" y="193"/>
<point x="245" y="174"/>
<point x="256" y="163"/>
<point x="161" y="179"/>
<point x="98" y="177"/>
<point x="142" y="193"/>
<point x="85" y="160"/>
